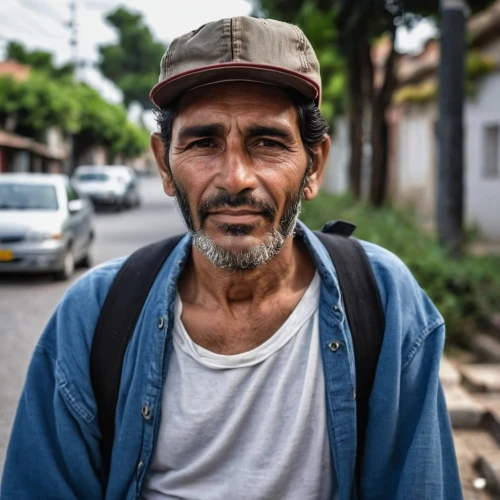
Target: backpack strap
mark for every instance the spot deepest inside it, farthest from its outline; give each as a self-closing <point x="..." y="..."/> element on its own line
<point x="115" y="326"/>
<point x="365" y="316"/>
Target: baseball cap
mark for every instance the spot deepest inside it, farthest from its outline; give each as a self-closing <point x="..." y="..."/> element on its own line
<point x="239" y="49"/>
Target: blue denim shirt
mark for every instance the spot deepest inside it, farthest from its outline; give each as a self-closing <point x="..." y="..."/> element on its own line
<point x="409" y="454"/>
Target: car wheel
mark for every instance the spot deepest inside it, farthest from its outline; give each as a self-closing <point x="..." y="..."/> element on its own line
<point x="68" y="266"/>
<point x="88" y="261"/>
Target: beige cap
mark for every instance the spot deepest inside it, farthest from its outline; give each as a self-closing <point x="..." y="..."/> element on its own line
<point x="239" y="49"/>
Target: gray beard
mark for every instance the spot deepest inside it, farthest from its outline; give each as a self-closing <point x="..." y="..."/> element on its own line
<point x="247" y="259"/>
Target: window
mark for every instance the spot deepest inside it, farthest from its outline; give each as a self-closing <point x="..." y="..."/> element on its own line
<point x="491" y="148"/>
<point x="71" y="193"/>
<point x="27" y="197"/>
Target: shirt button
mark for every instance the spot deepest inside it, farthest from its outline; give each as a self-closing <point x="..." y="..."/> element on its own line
<point x="335" y="308"/>
<point x="334" y="345"/>
<point x="161" y="322"/>
<point x="146" y="412"/>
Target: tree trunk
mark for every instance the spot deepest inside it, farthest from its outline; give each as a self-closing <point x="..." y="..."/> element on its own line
<point x="359" y="73"/>
<point x="355" y="121"/>
<point x="380" y="129"/>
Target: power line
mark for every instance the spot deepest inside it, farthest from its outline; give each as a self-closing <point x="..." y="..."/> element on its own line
<point x="46" y="11"/>
<point x="40" y="28"/>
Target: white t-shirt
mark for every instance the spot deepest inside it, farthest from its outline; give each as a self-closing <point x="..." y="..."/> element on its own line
<point x="246" y="426"/>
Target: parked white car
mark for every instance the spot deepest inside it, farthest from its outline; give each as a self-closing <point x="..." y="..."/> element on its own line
<point x="114" y="186"/>
<point x="45" y="225"/>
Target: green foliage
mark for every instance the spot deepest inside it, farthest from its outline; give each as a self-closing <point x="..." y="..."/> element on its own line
<point x="418" y="93"/>
<point x="133" y="62"/>
<point x="465" y="290"/>
<point x="38" y="59"/>
<point x="41" y="102"/>
<point x="478" y="65"/>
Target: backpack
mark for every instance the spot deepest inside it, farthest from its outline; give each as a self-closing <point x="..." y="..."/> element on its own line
<point x="128" y="293"/>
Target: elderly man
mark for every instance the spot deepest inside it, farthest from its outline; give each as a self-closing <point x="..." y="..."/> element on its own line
<point x="238" y="379"/>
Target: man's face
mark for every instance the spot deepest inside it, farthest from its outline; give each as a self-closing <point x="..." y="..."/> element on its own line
<point x="238" y="169"/>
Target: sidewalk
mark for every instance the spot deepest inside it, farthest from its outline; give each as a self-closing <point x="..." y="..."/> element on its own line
<point x="473" y="396"/>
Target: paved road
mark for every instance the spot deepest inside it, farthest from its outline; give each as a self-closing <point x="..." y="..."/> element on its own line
<point x="26" y="303"/>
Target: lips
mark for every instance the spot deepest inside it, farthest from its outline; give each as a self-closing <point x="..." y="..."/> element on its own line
<point x="235" y="216"/>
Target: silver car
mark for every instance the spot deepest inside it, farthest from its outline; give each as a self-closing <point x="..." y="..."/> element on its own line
<point x="113" y="186"/>
<point x="45" y="225"/>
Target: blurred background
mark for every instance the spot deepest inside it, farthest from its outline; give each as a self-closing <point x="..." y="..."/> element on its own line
<point x="411" y="89"/>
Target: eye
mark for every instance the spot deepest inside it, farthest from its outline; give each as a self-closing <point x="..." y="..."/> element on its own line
<point x="203" y="143"/>
<point x="268" y="143"/>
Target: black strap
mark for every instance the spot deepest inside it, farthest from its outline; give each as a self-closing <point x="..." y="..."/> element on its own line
<point x="115" y="326"/>
<point x="366" y="320"/>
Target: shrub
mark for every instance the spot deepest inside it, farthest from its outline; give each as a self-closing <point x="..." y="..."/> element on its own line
<point x="465" y="290"/>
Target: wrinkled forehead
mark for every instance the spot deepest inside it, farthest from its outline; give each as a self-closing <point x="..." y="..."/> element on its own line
<point x="244" y="101"/>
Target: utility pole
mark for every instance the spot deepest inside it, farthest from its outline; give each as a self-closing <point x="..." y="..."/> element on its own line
<point x="450" y="179"/>
<point x="72" y="25"/>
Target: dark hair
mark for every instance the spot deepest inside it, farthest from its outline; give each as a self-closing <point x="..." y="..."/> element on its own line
<point x="312" y="125"/>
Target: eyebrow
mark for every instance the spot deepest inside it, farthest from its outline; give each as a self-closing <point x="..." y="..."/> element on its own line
<point x="210" y="130"/>
<point x="259" y="130"/>
<point x="217" y="129"/>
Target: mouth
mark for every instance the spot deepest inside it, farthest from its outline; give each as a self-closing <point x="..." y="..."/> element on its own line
<point x="235" y="216"/>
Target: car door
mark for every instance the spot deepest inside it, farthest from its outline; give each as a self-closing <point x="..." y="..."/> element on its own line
<point x="78" y="222"/>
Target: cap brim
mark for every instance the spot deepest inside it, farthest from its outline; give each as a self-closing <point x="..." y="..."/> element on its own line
<point x="169" y="89"/>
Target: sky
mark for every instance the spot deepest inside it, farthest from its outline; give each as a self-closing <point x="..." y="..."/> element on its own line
<point x="42" y="24"/>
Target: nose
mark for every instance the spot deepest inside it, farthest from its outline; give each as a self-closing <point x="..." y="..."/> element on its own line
<point x="236" y="173"/>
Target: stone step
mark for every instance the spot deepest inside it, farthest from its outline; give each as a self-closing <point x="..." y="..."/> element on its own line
<point x="488" y="465"/>
<point x="486" y="347"/>
<point x="490" y="401"/>
<point x="448" y="374"/>
<point x="481" y="377"/>
<point x="465" y="413"/>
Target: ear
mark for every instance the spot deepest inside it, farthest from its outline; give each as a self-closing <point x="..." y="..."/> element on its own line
<point x="315" y="179"/>
<point x="159" y="151"/>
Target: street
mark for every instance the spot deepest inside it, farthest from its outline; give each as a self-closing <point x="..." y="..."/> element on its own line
<point x="26" y="303"/>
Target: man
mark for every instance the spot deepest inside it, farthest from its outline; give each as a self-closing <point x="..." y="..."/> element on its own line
<point x="239" y="379"/>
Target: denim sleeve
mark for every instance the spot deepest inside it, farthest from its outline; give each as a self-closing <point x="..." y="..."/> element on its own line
<point x="411" y="452"/>
<point x="51" y="452"/>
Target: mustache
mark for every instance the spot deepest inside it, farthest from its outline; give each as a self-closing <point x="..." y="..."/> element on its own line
<point x="234" y="201"/>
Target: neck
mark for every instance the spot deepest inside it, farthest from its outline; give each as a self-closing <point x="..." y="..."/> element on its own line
<point x="292" y="267"/>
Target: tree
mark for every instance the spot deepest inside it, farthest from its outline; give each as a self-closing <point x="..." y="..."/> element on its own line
<point x="32" y="106"/>
<point x="132" y="62"/>
<point x="38" y="60"/>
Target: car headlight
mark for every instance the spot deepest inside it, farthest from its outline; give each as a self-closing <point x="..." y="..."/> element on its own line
<point x="44" y="236"/>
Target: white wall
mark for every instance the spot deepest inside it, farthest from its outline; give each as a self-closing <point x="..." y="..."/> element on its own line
<point x="336" y="178"/>
<point x="414" y="178"/>
<point x="482" y="194"/>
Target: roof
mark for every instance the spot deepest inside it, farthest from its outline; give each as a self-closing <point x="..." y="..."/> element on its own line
<point x="484" y="25"/>
<point x="17" y="70"/>
<point x="27" y="144"/>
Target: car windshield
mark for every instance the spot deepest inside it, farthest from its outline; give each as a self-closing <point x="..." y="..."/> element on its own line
<point x="28" y="197"/>
<point x="93" y="177"/>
